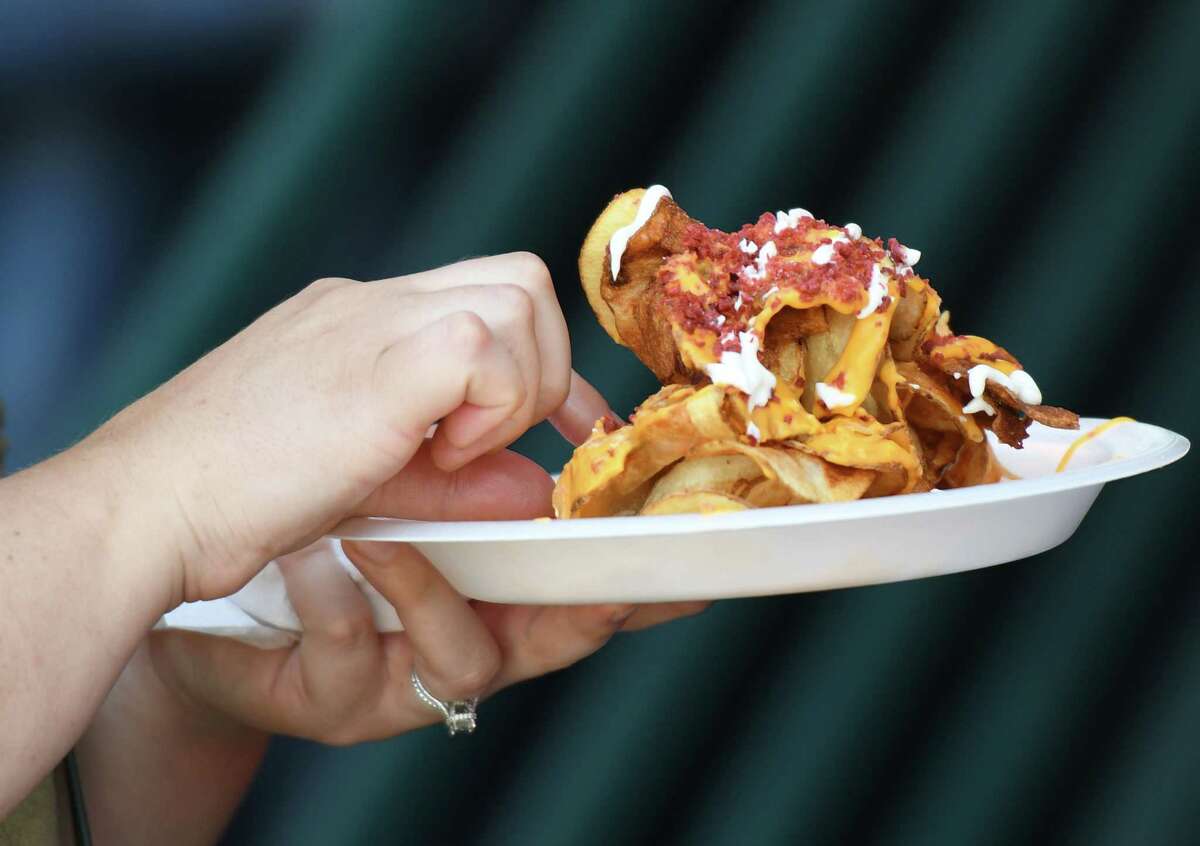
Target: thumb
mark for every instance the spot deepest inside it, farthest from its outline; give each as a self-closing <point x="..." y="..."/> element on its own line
<point x="499" y="486"/>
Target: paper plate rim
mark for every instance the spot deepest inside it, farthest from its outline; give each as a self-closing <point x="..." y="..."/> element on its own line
<point x="1161" y="447"/>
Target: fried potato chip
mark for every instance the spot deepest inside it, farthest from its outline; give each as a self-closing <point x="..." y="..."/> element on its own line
<point x="975" y="464"/>
<point x="822" y="351"/>
<point x="731" y="474"/>
<point x="783" y="345"/>
<point x="807" y="477"/>
<point x="695" y="502"/>
<point x="914" y="319"/>
<point x="1053" y="416"/>
<point x="609" y="472"/>
<point x="594" y="253"/>
<point x="627" y="306"/>
<point x="929" y="404"/>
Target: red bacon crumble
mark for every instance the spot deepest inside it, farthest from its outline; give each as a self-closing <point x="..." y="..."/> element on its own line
<point x="716" y="256"/>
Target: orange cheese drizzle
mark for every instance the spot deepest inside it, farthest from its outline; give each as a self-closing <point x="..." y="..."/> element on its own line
<point x="1087" y="436"/>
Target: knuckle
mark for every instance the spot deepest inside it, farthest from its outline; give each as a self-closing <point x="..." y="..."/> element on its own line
<point x="473" y="679"/>
<point x="556" y="391"/>
<point x="519" y="400"/>
<point x="327" y="284"/>
<point x="350" y="632"/>
<point x="532" y="271"/>
<point x="515" y="301"/>
<point x="596" y="625"/>
<point x="468" y="332"/>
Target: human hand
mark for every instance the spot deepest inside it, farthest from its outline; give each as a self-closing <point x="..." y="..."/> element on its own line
<point x="344" y="682"/>
<point x="301" y="419"/>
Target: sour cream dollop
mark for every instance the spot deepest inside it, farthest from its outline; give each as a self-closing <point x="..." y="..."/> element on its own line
<point x="790" y="219"/>
<point x="1019" y="383"/>
<point x="832" y="397"/>
<point x="744" y="371"/>
<point x="620" y="238"/>
<point x="824" y="254"/>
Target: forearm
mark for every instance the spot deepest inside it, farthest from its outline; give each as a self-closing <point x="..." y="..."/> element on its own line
<point x="159" y="769"/>
<point x="81" y="581"/>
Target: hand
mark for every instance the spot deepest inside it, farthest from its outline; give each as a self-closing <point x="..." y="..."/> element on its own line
<point x="344" y="682"/>
<point x="301" y="420"/>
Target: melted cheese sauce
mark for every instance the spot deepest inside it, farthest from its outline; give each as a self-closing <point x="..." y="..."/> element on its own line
<point x="1087" y="436"/>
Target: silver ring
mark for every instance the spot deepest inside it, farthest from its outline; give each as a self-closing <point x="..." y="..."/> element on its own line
<point x="458" y="714"/>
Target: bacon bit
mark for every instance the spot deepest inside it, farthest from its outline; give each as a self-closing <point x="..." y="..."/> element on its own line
<point x="719" y="257"/>
<point x="937" y="341"/>
<point x="787" y="418"/>
<point x="611" y="424"/>
<point x="839" y="382"/>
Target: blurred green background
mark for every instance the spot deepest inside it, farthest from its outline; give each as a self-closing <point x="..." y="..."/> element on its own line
<point x="167" y="172"/>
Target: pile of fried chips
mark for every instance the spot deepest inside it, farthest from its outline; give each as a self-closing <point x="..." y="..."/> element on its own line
<point x="682" y="296"/>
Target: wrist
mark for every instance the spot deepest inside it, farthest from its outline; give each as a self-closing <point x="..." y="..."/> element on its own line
<point x="128" y="523"/>
<point x="147" y="746"/>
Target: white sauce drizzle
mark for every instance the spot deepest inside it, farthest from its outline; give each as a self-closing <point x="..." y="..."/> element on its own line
<point x="748" y="247"/>
<point x="744" y="371"/>
<point x="876" y="290"/>
<point x="824" y="254"/>
<point x="979" y="404"/>
<point x="752" y="430"/>
<point x="1019" y="383"/>
<point x="767" y="252"/>
<point x="789" y="219"/>
<point x="620" y="238"/>
<point x="853" y="230"/>
<point x="832" y="397"/>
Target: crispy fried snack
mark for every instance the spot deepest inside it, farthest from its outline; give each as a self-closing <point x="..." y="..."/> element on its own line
<point x="801" y="362"/>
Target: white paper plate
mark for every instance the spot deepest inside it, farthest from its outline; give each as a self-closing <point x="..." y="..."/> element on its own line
<point x="793" y="549"/>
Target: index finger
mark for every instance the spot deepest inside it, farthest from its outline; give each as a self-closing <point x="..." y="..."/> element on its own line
<point x="528" y="272"/>
<point x="579" y="412"/>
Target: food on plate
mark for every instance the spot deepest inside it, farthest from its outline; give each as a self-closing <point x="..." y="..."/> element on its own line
<point x="801" y="362"/>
